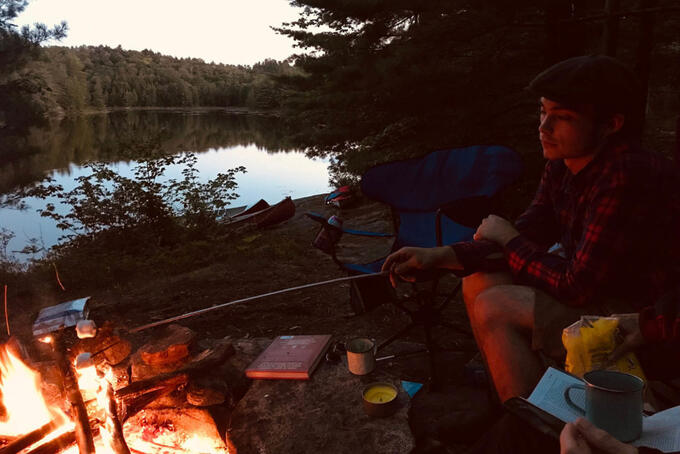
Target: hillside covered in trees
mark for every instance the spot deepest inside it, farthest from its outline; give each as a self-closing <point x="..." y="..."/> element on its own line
<point x="89" y="77"/>
<point x="38" y="83"/>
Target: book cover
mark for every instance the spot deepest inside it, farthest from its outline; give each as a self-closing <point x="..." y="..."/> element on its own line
<point x="291" y="357"/>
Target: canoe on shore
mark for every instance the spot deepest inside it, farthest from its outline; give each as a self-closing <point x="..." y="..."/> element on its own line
<point x="249" y="209"/>
<point x="261" y="214"/>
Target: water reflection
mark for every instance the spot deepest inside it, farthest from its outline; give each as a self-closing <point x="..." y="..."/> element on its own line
<point x="121" y="135"/>
<point x="223" y="141"/>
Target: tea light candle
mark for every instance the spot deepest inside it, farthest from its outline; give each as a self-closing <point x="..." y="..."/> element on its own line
<point x="379" y="393"/>
<point x="380" y="399"/>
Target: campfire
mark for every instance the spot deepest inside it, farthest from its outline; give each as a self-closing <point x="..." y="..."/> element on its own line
<point x="99" y="396"/>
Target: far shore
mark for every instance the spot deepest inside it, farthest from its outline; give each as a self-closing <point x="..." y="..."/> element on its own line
<point x="179" y="109"/>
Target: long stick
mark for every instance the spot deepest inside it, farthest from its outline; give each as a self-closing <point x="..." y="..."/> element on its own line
<point x="251" y="298"/>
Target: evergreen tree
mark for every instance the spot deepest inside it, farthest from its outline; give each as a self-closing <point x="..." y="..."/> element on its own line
<point x="20" y="91"/>
<point x="390" y="79"/>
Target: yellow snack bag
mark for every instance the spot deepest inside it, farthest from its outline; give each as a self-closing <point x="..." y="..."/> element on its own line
<point x="589" y="342"/>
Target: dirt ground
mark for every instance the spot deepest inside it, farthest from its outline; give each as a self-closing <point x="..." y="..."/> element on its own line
<point x="267" y="260"/>
<point x="247" y="262"/>
<point x="256" y="262"/>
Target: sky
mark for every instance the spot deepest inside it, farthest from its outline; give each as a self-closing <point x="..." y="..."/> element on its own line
<point x="221" y="31"/>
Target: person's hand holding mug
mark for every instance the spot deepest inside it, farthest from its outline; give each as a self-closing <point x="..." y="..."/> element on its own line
<point x="581" y="437"/>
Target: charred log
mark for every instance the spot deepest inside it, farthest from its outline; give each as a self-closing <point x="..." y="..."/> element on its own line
<point x="113" y="425"/>
<point x="83" y="431"/>
<point x="28" y="439"/>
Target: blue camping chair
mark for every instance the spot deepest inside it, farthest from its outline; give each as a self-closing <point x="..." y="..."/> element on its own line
<point x="438" y="199"/>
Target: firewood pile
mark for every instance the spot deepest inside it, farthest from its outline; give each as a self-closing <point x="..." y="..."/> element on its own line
<point x="101" y="394"/>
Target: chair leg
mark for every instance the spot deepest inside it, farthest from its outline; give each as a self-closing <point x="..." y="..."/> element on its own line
<point x="455" y="328"/>
<point x="428" y="316"/>
<point x="432" y="348"/>
<point x="397" y="335"/>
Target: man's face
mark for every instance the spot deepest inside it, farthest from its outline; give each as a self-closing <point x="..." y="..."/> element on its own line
<point x="566" y="133"/>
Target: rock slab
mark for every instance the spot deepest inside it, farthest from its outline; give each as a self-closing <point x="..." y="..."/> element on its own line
<point x="323" y="414"/>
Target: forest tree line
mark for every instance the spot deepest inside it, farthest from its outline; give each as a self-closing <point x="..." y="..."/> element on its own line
<point x="96" y="77"/>
<point x="37" y="82"/>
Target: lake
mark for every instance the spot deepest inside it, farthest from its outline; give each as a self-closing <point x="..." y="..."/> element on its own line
<point x="221" y="140"/>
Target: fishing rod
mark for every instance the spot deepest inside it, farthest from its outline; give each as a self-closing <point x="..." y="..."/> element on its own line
<point x="251" y="298"/>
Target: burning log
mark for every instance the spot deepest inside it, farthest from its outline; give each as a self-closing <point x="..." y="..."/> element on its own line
<point x="83" y="431"/>
<point x="167" y="430"/>
<point x="28" y="439"/>
<point x="57" y="445"/>
<point x="208" y="358"/>
<point x="142" y="387"/>
<point x="206" y="392"/>
<point x="170" y="350"/>
<point x="138" y="395"/>
<point x="112" y="424"/>
<point x="107" y="345"/>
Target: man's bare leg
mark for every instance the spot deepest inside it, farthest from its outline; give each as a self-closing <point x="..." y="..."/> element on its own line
<point x="476" y="283"/>
<point x="502" y="319"/>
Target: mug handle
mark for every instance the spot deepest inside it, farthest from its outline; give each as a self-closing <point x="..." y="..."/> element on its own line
<point x="571" y="403"/>
<point x="375" y="347"/>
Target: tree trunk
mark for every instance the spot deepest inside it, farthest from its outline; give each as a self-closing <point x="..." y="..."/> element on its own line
<point x="564" y="38"/>
<point x="610" y="34"/>
<point x="555" y="11"/>
<point x="644" y="53"/>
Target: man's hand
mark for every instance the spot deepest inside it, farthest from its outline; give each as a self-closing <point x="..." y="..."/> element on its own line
<point x="495" y="228"/>
<point x="629" y="328"/>
<point x="581" y="437"/>
<point x="403" y="263"/>
<point x="572" y="442"/>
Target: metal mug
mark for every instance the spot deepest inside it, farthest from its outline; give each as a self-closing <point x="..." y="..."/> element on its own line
<point x="613" y="402"/>
<point x="361" y="355"/>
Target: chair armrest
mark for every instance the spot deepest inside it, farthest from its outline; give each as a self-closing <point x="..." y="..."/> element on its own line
<point x="322" y="220"/>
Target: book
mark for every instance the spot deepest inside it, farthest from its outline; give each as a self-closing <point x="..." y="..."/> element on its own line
<point x="290" y="357"/>
<point x="660" y="430"/>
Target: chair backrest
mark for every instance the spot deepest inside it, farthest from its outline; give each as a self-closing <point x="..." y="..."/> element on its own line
<point x="416" y="188"/>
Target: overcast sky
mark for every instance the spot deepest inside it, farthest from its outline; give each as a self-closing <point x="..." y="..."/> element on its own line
<point x="223" y="31"/>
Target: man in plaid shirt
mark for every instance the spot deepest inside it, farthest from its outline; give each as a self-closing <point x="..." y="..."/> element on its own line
<point x="613" y="207"/>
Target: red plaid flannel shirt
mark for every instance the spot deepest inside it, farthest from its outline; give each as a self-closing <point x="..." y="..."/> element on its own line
<point x="617" y="220"/>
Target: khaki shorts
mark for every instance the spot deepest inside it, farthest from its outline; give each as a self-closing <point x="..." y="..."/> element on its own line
<point x="551" y="317"/>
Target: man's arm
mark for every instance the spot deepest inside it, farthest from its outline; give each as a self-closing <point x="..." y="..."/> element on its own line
<point x="468" y="257"/>
<point x="537" y="224"/>
<point x="659" y="323"/>
<point x="622" y="225"/>
<point x="407" y="261"/>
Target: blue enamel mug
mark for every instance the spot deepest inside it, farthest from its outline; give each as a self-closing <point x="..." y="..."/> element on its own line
<point x="613" y="402"/>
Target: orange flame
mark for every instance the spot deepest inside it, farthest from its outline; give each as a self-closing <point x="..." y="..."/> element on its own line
<point x="24" y="403"/>
<point x="27" y="410"/>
